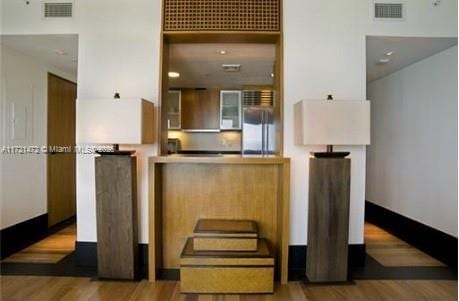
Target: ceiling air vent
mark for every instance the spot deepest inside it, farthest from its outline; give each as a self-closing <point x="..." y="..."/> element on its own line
<point x="388" y="11"/>
<point x="231" y="67"/>
<point x="58" y="9"/>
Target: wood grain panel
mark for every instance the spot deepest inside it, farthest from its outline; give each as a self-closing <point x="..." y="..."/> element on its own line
<point x="116" y="205"/>
<point x="148" y="122"/>
<point x="260" y="257"/>
<point x="227" y="262"/>
<point x="200" y="109"/>
<point x="263" y="251"/>
<point x="61" y="111"/>
<point x="227" y="280"/>
<point x="225" y="159"/>
<point x="328" y="216"/>
<point x="61" y="187"/>
<point x="221" y="15"/>
<point x="283" y="220"/>
<point x="163" y="90"/>
<point x="155" y="220"/>
<point x="231" y="188"/>
<point x="224" y="244"/>
<point x="216" y="191"/>
<point x="61" y="170"/>
<point x="278" y="93"/>
<point x="225" y="226"/>
<point x="221" y="37"/>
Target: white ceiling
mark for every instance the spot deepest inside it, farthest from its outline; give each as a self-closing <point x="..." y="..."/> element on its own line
<point x="44" y="48"/>
<point x="199" y="65"/>
<point x="406" y="51"/>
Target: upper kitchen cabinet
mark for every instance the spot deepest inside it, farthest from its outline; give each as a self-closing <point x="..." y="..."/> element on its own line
<point x="200" y="109"/>
<point x="230" y="110"/>
<point x="174" y="109"/>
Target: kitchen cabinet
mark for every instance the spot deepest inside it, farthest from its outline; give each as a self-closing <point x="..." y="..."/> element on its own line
<point x="174" y="109"/>
<point x="200" y="109"/>
<point x="230" y="109"/>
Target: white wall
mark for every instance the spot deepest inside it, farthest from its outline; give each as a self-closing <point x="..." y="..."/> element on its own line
<point x="118" y="52"/>
<point x="412" y="162"/>
<point x="23" y="183"/>
<point x="324" y="53"/>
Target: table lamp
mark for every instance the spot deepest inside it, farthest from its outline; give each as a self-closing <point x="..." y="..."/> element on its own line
<point x="328" y="122"/>
<point x="339" y="122"/>
<point x="116" y="121"/>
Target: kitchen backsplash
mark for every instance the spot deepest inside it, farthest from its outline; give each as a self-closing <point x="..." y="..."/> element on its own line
<point x="222" y="141"/>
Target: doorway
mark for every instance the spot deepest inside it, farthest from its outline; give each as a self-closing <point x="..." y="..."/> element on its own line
<point x="61" y="171"/>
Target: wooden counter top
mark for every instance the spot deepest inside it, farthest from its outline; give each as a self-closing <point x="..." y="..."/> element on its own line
<point x="216" y="159"/>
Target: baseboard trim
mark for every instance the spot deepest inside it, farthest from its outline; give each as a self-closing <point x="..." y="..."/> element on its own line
<point x="86" y="255"/>
<point x="297" y="256"/>
<point x="61" y="225"/>
<point x="436" y="243"/>
<point x="21" y="235"/>
<point x="297" y="259"/>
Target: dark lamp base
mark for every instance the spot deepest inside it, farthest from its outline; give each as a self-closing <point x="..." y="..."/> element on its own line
<point x="330" y="154"/>
<point x="116" y="153"/>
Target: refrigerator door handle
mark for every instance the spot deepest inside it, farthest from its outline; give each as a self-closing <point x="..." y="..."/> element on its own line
<point x="267" y="132"/>
<point x="262" y="132"/>
<point x="265" y="122"/>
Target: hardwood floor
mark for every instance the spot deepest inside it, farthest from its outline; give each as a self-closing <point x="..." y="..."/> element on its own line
<point x="33" y="288"/>
<point x="380" y="244"/>
<point x="49" y="250"/>
<point x="390" y="251"/>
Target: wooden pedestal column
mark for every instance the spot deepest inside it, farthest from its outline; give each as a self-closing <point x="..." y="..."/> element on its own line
<point x="116" y="198"/>
<point x="328" y="226"/>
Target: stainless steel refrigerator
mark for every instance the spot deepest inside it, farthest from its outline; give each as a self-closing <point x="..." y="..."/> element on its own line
<point x="258" y="131"/>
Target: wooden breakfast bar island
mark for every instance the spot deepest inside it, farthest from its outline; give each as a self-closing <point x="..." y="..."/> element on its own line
<point x="184" y="189"/>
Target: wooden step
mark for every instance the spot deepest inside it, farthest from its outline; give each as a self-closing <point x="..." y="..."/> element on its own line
<point x="263" y="256"/>
<point x="220" y="272"/>
<point x="229" y="227"/>
<point x="225" y="235"/>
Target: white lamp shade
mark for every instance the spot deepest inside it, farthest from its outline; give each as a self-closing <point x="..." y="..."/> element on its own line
<point x="335" y="122"/>
<point x="114" y="121"/>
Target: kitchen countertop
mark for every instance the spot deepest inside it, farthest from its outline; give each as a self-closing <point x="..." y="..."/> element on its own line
<point x="219" y="159"/>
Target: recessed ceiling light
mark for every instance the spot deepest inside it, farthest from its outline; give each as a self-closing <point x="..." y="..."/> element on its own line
<point x="222" y="52"/>
<point x="60" y="52"/>
<point x="173" y="74"/>
<point x="389" y="53"/>
<point x="383" y="61"/>
<point x="272" y="75"/>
